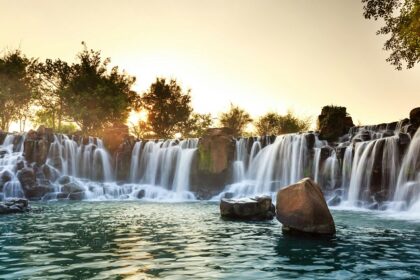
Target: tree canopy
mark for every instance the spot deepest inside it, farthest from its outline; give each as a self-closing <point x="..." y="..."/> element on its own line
<point x="402" y="24"/>
<point x="168" y="107"/>
<point x="236" y="118"/>
<point x="276" y="124"/>
<point x="16" y="87"/>
<point x="95" y="97"/>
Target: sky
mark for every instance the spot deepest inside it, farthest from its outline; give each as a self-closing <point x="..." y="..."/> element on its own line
<point x="262" y="55"/>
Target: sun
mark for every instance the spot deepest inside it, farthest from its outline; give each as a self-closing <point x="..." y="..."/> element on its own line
<point x="136" y="116"/>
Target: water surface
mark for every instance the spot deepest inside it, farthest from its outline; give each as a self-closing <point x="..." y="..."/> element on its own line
<point x="137" y="240"/>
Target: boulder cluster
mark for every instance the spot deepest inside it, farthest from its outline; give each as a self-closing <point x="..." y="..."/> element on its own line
<point x="300" y="207"/>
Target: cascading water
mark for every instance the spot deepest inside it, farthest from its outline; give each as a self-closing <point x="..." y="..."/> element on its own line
<point x="11" y="152"/>
<point x="280" y="163"/>
<point x="407" y="193"/>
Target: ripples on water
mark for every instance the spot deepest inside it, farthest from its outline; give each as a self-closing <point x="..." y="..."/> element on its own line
<point x="134" y="240"/>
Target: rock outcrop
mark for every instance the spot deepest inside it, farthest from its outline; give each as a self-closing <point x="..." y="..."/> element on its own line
<point x="334" y="122"/>
<point x="215" y="153"/>
<point x="258" y="208"/>
<point x="17" y="205"/>
<point x="301" y="208"/>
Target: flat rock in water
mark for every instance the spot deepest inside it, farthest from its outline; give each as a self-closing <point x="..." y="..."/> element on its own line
<point x="301" y="208"/>
<point x="257" y="208"/>
<point x="16" y="205"/>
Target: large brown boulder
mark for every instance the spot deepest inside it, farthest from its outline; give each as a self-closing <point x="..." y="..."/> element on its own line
<point x="258" y="208"/>
<point x="301" y="208"/>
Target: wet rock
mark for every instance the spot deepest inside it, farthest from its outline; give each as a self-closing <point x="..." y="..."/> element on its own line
<point x="141" y="194"/>
<point x="27" y="177"/>
<point x="258" y="208"/>
<point x="310" y="140"/>
<point x="72" y="187"/>
<point x="334" y="201"/>
<point x="301" y="208"/>
<point x="76" y="196"/>
<point x="61" y="196"/>
<point x="228" y="195"/>
<point x="64" y="180"/>
<point x="403" y="139"/>
<point x="37" y="192"/>
<point x="17" y="205"/>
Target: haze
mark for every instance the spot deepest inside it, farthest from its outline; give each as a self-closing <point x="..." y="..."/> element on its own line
<point x="261" y="55"/>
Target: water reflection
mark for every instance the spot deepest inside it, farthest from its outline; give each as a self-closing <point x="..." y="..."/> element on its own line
<point x="134" y="240"/>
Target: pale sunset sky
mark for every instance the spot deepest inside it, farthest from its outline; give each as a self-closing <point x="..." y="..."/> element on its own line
<point x="259" y="54"/>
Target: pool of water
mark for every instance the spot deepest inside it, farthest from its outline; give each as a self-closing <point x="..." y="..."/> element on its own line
<point x="137" y="240"/>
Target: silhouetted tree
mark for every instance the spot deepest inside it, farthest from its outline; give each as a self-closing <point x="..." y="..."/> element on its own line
<point x="53" y="79"/>
<point x="402" y="24"/>
<point x="236" y="119"/>
<point x="95" y="97"/>
<point x="167" y="106"/>
<point x="275" y="124"/>
<point x="16" y="88"/>
<point x="195" y="126"/>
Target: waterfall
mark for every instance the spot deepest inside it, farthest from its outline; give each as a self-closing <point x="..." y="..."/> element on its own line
<point x="280" y="163"/>
<point x="165" y="164"/>
<point x="10" y="154"/>
<point x="407" y="193"/>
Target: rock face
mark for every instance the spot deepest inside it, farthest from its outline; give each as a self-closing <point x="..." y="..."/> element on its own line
<point x="302" y="208"/>
<point x="415" y="116"/>
<point x="334" y="122"/>
<point x="215" y="153"/>
<point x="18" y="205"/>
<point x="258" y="208"/>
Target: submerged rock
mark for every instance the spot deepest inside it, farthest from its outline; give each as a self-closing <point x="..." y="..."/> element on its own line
<point x="76" y="196"/>
<point x="17" y="205"/>
<point x="302" y="208"/>
<point x="258" y="208"/>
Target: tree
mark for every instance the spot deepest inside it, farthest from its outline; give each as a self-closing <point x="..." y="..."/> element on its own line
<point x="275" y="124"/>
<point x="236" y="119"/>
<point x="402" y="23"/>
<point x="16" y="88"/>
<point x="195" y="126"/>
<point x="167" y="106"/>
<point x="53" y="78"/>
<point x="96" y="98"/>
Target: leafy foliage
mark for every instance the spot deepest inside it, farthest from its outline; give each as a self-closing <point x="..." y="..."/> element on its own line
<point x="95" y="97"/>
<point x="402" y="23"/>
<point x="196" y="125"/>
<point x="16" y="84"/>
<point x="236" y="119"/>
<point x="275" y="124"/>
<point x="168" y="107"/>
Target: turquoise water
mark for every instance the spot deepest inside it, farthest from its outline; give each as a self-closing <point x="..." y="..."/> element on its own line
<point x="135" y="240"/>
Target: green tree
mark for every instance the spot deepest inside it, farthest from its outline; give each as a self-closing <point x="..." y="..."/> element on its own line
<point x="96" y="98"/>
<point x="196" y="125"/>
<point x="53" y="78"/>
<point x="236" y="119"/>
<point x="276" y="124"/>
<point x="167" y="106"/>
<point x="16" y="88"/>
<point x="402" y="23"/>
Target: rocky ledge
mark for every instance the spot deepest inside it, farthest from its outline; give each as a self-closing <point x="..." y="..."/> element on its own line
<point x="18" y="205"/>
<point x="254" y="209"/>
